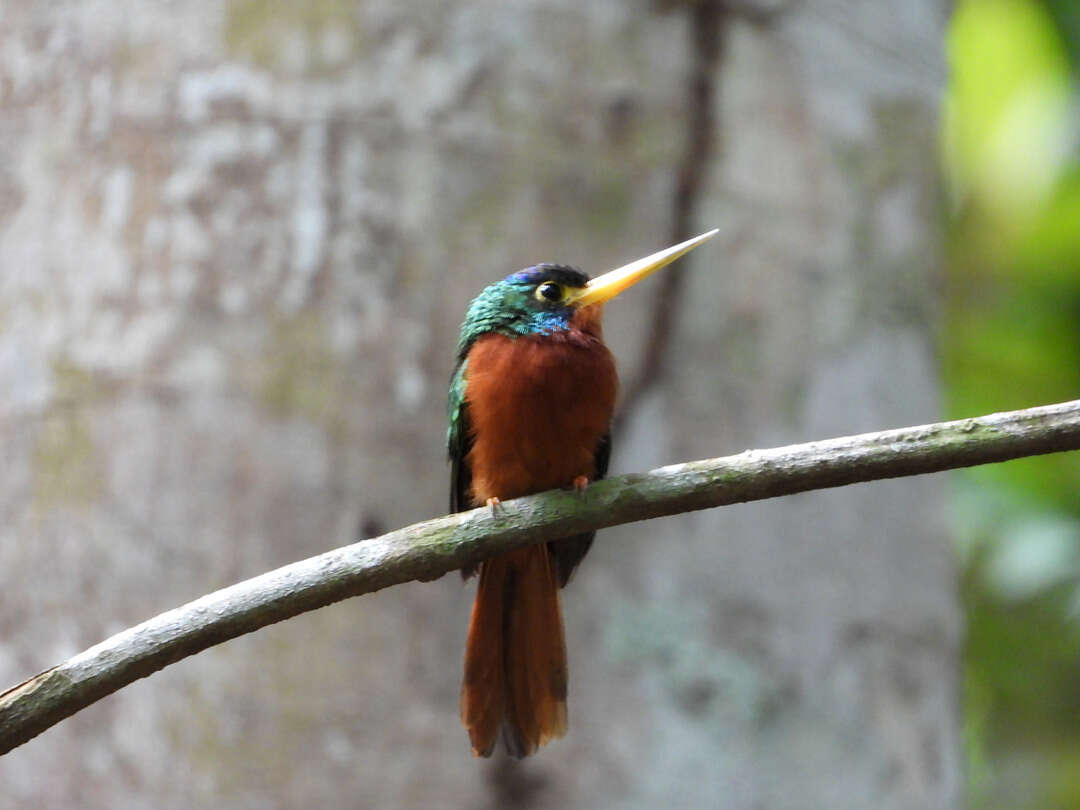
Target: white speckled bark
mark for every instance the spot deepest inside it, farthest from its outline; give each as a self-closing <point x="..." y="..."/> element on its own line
<point x="235" y="242"/>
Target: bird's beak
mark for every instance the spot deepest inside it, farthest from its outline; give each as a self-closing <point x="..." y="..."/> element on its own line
<point x="607" y="286"/>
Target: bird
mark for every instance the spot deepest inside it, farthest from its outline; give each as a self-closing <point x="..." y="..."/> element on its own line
<point x="530" y="406"/>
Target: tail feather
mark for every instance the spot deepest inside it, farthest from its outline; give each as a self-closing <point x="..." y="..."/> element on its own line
<point x="483" y="698"/>
<point x="515" y="656"/>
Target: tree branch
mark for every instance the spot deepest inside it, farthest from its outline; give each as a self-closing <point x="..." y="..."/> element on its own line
<point x="428" y="550"/>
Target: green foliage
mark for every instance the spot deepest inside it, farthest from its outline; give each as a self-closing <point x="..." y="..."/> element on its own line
<point x="1011" y="340"/>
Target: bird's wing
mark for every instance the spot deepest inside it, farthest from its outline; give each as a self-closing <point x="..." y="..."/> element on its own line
<point x="570" y="551"/>
<point x="602" y="457"/>
<point x="459" y="442"/>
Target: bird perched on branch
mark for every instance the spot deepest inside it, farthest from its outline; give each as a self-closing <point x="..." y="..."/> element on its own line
<point x="531" y="401"/>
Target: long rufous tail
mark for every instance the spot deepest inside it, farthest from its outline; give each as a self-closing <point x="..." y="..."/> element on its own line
<point x="515" y="656"/>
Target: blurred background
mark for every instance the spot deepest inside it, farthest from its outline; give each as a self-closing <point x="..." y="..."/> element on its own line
<point x="1011" y="339"/>
<point x="236" y="242"/>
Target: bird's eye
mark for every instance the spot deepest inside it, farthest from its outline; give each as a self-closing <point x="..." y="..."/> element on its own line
<point x="549" y="291"/>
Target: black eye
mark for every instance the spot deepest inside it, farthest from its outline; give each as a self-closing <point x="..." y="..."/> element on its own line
<point x="549" y="291"/>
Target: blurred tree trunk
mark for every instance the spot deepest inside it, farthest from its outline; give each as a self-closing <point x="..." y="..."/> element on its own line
<point x="236" y="241"/>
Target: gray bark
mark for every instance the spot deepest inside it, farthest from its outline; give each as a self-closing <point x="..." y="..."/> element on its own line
<point x="235" y="243"/>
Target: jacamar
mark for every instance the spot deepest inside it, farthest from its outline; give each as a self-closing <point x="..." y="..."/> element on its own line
<point x="531" y="401"/>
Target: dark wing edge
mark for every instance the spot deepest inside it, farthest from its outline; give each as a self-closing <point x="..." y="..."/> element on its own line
<point x="603" y="457"/>
<point x="570" y="551"/>
<point x="460" y="474"/>
<point x="458" y="444"/>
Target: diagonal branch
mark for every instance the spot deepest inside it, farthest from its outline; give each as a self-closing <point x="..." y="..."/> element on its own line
<point x="428" y="550"/>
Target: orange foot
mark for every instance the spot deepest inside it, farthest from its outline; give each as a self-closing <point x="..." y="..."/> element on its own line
<point x="493" y="505"/>
<point x="580" y="483"/>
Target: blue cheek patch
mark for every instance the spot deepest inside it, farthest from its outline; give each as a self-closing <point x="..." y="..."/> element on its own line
<point x="550" y="320"/>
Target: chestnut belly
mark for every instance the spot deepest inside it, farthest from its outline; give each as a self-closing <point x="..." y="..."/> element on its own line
<point x="538" y="407"/>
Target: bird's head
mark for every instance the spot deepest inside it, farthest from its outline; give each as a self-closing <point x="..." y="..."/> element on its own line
<point x="549" y="298"/>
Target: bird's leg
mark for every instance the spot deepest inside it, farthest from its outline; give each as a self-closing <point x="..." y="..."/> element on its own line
<point x="493" y="505"/>
<point x="580" y="484"/>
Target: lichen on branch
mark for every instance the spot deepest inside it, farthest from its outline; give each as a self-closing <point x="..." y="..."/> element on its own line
<point x="428" y="550"/>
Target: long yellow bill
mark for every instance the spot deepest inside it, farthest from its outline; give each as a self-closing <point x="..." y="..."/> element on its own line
<point x="607" y="286"/>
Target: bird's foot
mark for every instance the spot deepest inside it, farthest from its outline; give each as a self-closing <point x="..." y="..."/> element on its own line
<point x="580" y="484"/>
<point x="493" y="505"/>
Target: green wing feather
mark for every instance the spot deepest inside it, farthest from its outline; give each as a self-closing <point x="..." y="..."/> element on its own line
<point x="489" y="312"/>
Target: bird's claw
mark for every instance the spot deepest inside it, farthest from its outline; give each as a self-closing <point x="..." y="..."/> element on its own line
<point x="493" y="505"/>
<point x="580" y="484"/>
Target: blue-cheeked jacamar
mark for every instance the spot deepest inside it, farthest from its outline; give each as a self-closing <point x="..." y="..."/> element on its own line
<point x="530" y="408"/>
